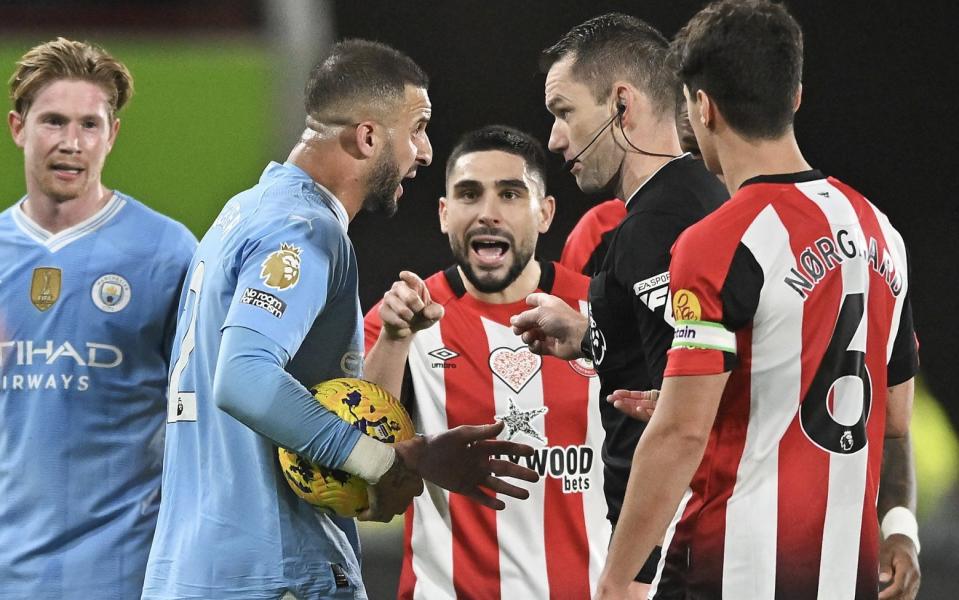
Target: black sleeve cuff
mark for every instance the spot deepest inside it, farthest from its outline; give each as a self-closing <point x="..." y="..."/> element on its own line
<point x="648" y="572"/>
<point x="586" y="345"/>
<point x="902" y="369"/>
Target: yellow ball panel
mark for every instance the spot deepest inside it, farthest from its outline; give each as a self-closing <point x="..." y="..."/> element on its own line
<point x="369" y="408"/>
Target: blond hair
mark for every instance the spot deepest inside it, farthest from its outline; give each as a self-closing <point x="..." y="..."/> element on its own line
<point x="67" y="59"/>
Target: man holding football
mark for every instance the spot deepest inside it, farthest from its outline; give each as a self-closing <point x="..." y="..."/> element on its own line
<point x="271" y="305"/>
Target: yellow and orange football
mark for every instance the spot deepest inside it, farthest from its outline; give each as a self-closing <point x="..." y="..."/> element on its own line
<point x="369" y="408"/>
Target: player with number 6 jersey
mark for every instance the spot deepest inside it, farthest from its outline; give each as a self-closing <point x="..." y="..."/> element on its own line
<point x="806" y="292"/>
<point x="793" y="355"/>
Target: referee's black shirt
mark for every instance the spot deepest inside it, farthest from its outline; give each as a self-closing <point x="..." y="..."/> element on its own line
<point x="627" y="296"/>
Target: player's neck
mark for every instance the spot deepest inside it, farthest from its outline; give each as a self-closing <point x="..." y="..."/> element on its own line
<point x="638" y="168"/>
<point x="55" y="216"/>
<point x="333" y="170"/>
<point x="743" y="159"/>
<point x="523" y="286"/>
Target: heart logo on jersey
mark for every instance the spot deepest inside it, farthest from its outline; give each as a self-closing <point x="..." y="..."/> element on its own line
<point x="514" y="366"/>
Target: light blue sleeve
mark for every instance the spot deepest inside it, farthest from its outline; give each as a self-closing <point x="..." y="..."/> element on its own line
<point x="251" y="386"/>
<point x="284" y="278"/>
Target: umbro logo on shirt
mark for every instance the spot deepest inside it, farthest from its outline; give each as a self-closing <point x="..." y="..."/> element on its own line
<point x="443" y="355"/>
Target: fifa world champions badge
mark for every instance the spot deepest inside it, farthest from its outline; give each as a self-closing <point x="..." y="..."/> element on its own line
<point x="45" y="287"/>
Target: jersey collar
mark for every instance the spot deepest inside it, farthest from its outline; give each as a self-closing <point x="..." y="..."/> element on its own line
<point x="322" y="192"/>
<point x="55" y="241"/>
<point x="800" y="177"/>
<point x="656" y="172"/>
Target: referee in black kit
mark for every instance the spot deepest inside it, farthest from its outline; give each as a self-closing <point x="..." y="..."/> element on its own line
<point x="614" y="97"/>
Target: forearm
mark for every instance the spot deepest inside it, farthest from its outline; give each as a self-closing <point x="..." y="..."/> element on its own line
<point x="663" y="465"/>
<point x="251" y="385"/>
<point x="897" y="483"/>
<point x="664" y="462"/>
<point x="385" y="363"/>
<point x="899" y="409"/>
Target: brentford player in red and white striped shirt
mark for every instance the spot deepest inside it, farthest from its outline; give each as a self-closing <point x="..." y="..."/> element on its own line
<point x="793" y="355"/>
<point x="466" y="366"/>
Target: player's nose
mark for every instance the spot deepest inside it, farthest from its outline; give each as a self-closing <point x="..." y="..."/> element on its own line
<point x="424" y="151"/>
<point x="558" y="138"/>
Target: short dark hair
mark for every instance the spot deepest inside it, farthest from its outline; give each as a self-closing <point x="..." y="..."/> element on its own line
<point x="360" y="76"/>
<point x="617" y="46"/>
<point x="505" y="139"/>
<point x="747" y="56"/>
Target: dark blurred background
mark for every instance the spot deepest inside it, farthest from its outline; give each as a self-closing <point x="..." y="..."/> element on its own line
<point x="219" y="94"/>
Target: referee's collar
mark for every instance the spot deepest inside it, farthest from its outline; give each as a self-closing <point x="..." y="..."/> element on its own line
<point x="656" y="172"/>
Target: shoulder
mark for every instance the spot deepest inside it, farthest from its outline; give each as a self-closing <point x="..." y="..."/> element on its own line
<point x="172" y="236"/>
<point x="6" y="217"/>
<point x="711" y="242"/>
<point x="861" y="203"/>
<point x="602" y="217"/>
<point x="569" y="284"/>
<point x="440" y="289"/>
<point x="298" y="222"/>
<point x="144" y="213"/>
<point x="5" y="214"/>
<point x="683" y="192"/>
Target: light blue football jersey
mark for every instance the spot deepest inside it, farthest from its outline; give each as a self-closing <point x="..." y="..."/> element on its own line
<point x="278" y="261"/>
<point x="86" y="326"/>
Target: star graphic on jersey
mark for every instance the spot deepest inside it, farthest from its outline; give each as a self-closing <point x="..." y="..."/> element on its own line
<point x="518" y="421"/>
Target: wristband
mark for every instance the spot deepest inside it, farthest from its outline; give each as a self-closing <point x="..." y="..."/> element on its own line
<point x="369" y="460"/>
<point x="586" y="345"/>
<point x="900" y="520"/>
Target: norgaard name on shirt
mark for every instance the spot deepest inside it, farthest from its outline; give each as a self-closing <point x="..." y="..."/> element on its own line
<point x="818" y="259"/>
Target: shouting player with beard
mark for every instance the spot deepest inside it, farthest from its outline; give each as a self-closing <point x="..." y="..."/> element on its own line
<point x="450" y="338"/>
<point x="272" y="307"/>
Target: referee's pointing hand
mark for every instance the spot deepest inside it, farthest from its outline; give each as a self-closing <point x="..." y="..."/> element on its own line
<point x="551" y="326"/>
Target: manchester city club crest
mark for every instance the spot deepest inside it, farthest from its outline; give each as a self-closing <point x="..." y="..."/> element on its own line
<point x="111" y="293"/>
<point x="45" y="287"/>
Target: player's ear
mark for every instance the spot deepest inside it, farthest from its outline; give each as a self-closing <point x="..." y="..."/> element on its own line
<point x="442" y="214"/>
<point x="705" y="109"/>
<point x="114" y="129"/>
<point x="547" y="209"/>
<point x="365" y="138"/>
<point x="15" y="120"/>
<point x="798" y="99"/>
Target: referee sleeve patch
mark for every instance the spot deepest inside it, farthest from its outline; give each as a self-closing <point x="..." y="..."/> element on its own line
<point x="704" y="335"/>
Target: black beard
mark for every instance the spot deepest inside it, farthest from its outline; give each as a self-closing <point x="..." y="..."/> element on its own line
<point x="381" y="186"/>
<point x="461" y="256"/>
